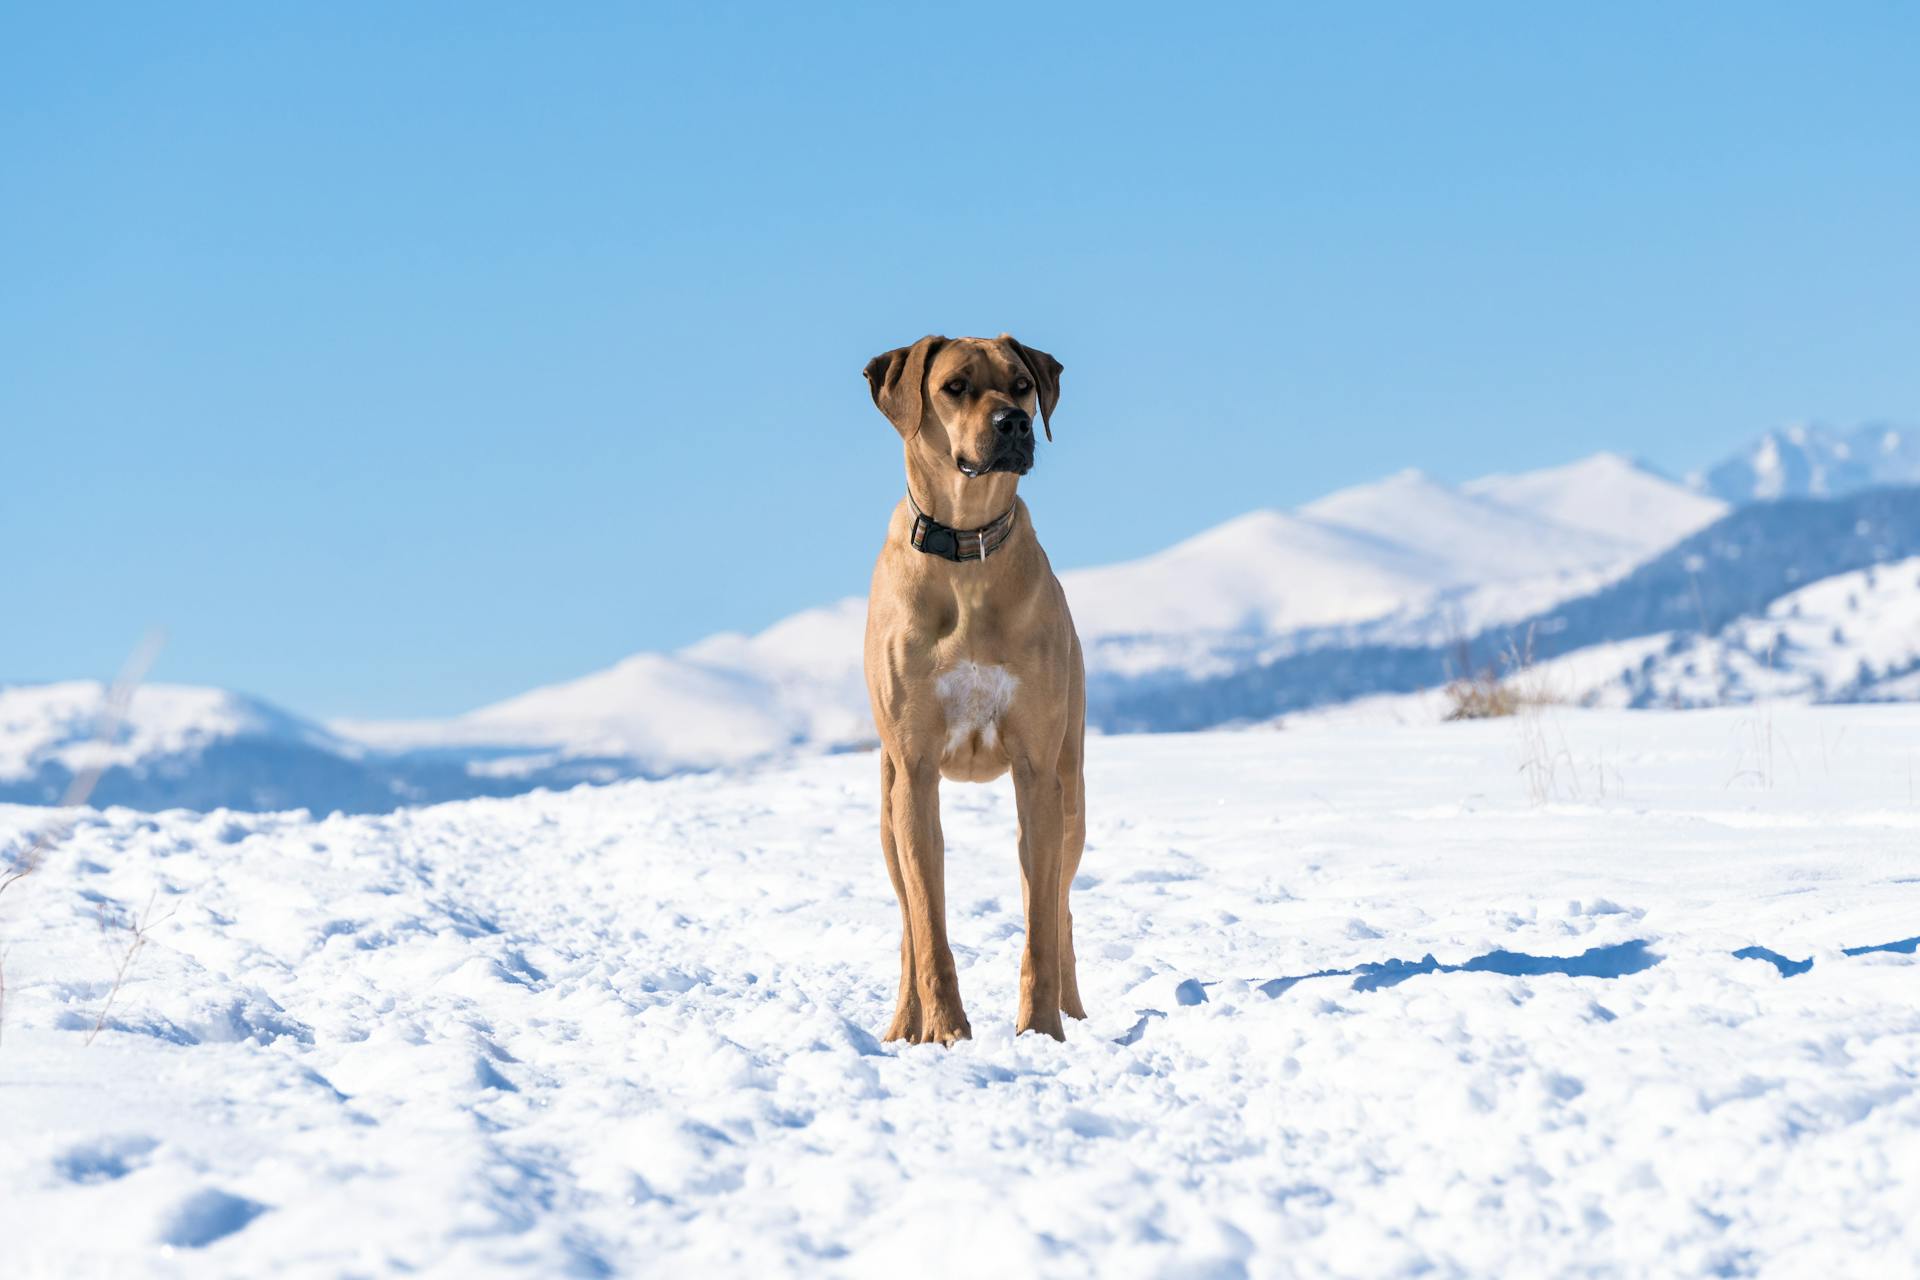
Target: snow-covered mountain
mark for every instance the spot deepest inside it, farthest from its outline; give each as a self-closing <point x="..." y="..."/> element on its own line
<point x="1607" y="495"/>
<point x="1814" y="462"/>
<point x="177" y="746"/>
<point x="726" y="700"/>
<point x="1734" y="568"/>
<point x="1469" y="538"/>
<point x="191" y="747"/>
<point x="1372" y="589"/>
<point x="1853" y="637"/>
<point x="1404" y="548"/>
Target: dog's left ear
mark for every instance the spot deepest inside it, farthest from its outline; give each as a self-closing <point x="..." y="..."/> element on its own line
<point x="897" y="379"/>
<point x="1045" y="371"/>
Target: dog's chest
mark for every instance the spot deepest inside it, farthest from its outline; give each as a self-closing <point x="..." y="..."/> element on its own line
<point x="974" y="697"/>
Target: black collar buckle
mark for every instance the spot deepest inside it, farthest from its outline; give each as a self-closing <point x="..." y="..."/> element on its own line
<point x="936" y="539"/>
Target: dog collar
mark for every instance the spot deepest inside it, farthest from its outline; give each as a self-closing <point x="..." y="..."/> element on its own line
<point x="932" y="538"/>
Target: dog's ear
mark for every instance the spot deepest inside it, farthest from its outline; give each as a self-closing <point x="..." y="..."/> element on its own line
<point x="1045" y="371"/>
<point x="898" y="378"/>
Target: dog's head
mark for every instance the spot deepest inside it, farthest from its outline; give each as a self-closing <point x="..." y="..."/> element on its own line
<point x="970" y="400"/>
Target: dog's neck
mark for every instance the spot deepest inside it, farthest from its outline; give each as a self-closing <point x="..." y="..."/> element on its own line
<point x="955" y="500"/>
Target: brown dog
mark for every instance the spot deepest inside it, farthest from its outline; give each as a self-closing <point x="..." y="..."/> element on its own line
<point x="973" y="666"/>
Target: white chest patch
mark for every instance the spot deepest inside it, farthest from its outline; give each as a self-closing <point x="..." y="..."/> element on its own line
<point x="975" y="697"/>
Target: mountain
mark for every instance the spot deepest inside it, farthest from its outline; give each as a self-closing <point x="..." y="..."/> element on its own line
<point x="1467" y="538"/>
<point x="1814" y="462"/>
<point x="190" y="747"/>
<point x="727" y="700"/>
<point x="1407" y="551"/>
<point x="1376" y="588"/>
<point x="696" y="715"/>
<point x="1732" y="569"/>
<point x="179" y="746"/>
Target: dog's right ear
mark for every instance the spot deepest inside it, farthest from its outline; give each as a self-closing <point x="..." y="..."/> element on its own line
<point x="898" y="379"/>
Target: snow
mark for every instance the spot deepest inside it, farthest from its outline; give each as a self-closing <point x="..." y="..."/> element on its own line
<point x="630" y="1029"/>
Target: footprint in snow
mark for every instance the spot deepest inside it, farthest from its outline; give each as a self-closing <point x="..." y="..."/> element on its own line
<point x="104" y="1160"/>
<point x="207" y="1216"/>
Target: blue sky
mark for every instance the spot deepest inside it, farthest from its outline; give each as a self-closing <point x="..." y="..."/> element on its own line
<point x="400" y="358"/>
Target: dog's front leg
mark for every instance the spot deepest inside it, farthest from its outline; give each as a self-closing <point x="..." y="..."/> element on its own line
<point x="1038" y="796"/>
<point x="906" y="1009"/>
<point x="920" y="856"/>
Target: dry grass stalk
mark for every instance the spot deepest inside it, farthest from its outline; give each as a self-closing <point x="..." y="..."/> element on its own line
<point x="139" y="929"/>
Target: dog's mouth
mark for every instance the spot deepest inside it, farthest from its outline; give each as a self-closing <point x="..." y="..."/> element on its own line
<point x="1011" y="465"/>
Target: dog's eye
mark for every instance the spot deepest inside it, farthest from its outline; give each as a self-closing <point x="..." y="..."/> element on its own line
<point x="956" y="387"/>
<point x="1021" y="386"/>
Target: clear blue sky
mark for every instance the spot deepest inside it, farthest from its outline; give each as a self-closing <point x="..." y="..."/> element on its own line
<point x="398" y="358"/>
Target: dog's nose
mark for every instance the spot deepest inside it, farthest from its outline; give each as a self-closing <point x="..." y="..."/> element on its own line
<point x="1012" y="422"/>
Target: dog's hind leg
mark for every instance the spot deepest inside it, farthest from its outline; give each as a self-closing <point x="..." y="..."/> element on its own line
<point x="906" y="1011"/>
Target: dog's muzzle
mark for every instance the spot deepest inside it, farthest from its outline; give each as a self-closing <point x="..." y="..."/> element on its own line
<point x="1012" y="443"/>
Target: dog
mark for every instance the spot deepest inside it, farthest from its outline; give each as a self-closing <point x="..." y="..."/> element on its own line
<point x="973" y="667"/>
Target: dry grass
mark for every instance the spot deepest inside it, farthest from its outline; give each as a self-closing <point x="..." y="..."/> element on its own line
<point x="1482" y="697"/>
<point x="1494" y="691"/>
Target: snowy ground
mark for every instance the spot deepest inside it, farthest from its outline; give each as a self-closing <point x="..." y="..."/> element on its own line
<point x="632" y="1029"/>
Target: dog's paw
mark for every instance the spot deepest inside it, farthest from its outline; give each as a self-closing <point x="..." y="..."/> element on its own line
<point x="942" y="1028"/>
<point x="1047" y="1023"/>
<point x="906" y="1022"/>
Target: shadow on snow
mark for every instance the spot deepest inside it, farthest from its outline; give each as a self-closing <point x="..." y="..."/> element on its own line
<point x="1601" y="962"/>
<point x="1615" y="961"/>
<point x="1791" y="968"/>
